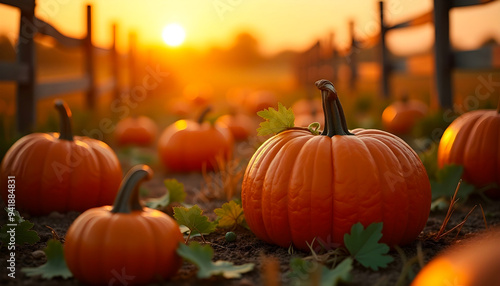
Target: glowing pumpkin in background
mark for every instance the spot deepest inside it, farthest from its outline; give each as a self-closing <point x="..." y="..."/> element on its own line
<point x="124" y="238"/>
<point x="140" y="130"/>
<point x="240" y="125"/>
<point x="299" y="186"/>
<point x="400" y="117"/>
<point x="198" y="94"/>
<point x="260" y="100"/>
<point x="473" y="141"/>
<point x="190" y="145"/>
<point x="307" y="111"/>
<point x="473" y="262"/>
<point x="60" y="172"/>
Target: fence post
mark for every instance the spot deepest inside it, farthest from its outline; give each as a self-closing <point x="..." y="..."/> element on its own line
<point x="114" y="65"/>
<point x="89" y="61"/>
<point x="131" y="60"/>
<point x="26" y="97"/>
<point x="353" y="57"/>
<point x="442" y="53"/>
<point x="383" y="54"/>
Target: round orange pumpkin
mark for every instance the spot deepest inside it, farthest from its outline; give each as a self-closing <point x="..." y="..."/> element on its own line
<point x="240" y="125"/>
<point x="299" y="186"/>
<point x="140" y="130"/>
<point x="474" y="262"/>
<point x="123" y="240"/>
<point x="60" y="172"/>
<point x="473" y="141"/>
<point x="400" y="117"/>
<point x="190" y="145"/>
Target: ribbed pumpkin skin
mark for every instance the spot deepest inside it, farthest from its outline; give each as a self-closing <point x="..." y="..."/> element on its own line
<point x="299" y="186"/>
<point x="400" y="117"/>
<point x="100" y="245"/>
<point x="53" y="174"/>
<point x="141" y="131"/>
<point x="473" y="262"/>
<point x="473" y="140"/>
<point x="187" y="146"/>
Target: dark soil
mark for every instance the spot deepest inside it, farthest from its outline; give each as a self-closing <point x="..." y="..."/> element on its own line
<point x="249" y="249"/>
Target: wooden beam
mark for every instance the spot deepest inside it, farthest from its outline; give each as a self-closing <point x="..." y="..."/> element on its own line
<point x="14" y="72"/>
<point x="464" y="3"/>
<point x="482" y="58"/>
<point x="24" y="5"/>
<point x="384" y="55"/>
<point x="420" y="20"/>
<point x="442" y="53"/>
<point x="52" y="88"/>
<point x="89" y="61"/>
<point x="48" y="30"/>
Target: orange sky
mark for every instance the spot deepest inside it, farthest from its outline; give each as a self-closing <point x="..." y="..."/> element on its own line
<point x="278" y="24"/>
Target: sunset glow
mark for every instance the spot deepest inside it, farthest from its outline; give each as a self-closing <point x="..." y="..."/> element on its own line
<point x="173" y="35"/>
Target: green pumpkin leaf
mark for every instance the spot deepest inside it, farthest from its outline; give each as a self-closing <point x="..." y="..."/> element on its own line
<point x="230" y="215"/>
<point x="276" y="120"/>
<point x="363" y="246"/>
<point x="55" y="266"/>
<point x="175" y="193"/>
<point x="446" y="183"/>
<point x="194" y="219"/>
<point x="202" y="256"/>
<point x="302" y="270"/>
<point x="20" y="227"/>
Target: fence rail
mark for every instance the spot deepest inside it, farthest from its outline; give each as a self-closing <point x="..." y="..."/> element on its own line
<point x="24" y="69"/>
<point x="445" y="59"/>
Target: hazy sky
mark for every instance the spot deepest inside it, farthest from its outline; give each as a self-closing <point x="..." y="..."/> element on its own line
<point x="278" y="24"/>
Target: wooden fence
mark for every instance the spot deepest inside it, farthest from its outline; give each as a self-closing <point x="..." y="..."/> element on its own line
<point x="312" y="62"/>
<point x="23" y="71"/>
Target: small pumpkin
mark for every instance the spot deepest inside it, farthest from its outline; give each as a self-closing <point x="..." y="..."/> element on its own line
<point x="299" y="186"/>
<point x="60" y="172"/>
<point x="308" y="111"/>
<point x="473" y="262"/>
<point x="260" y="100"/>
<point x="400" y="117"/>
<point x="137" y="130"/>
<point x="240" y="125"/>
<point x="125" y="238"/>
<point x="473" y="141"/>
<point x="189" y="145"/>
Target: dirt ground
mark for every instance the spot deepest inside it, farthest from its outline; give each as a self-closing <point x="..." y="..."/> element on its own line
<point x="249" y="249"/>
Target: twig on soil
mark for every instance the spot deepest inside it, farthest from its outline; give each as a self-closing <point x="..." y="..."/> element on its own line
<point x="54" y="233"/>
<point x="484" y="217"/>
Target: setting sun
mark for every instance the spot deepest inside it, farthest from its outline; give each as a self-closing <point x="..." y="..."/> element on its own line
<point x="173" y="35"/>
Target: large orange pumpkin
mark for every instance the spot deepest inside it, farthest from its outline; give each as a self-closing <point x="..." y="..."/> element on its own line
<point x="474" y="262"/>
<point x="400" y="117"/>
<point x="299" y="186"/>
<point x="59" y="171"/>
<point x="140" y="130"/>
<point x="473" y="141"/>
<point x="124" y="240"/>
<point x="190" y="145"/>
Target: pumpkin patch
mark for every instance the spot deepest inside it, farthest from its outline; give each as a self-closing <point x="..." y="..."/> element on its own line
<point x="139" y="130"/>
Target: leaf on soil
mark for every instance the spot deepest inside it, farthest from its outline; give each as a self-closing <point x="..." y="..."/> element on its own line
<point x="174" y="194"/>
<point x="22" y="230"/>
<point x="201" y="256"/>
<point x="55" y="266"/>
<point x="275" y="120"/>
<point x="363" y="246"/>
<point x="302" y="270"/>
<point x="230" y="215"/>
<point x="447" y="181"/>
<point x="194" y="219"/>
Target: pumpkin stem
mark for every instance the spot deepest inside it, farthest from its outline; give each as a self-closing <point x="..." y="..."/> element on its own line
<point x="127" y="199"/>
<point x="204" y="114"/>
<point x="335" y="123"/>
<point x="65" y="132"/>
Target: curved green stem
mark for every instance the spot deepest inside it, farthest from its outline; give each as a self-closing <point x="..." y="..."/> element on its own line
<point x="65" y="132"/>
<point x="127" y="199"/>
<point x="335" y="123"/>
<point x="204" y="114"/>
